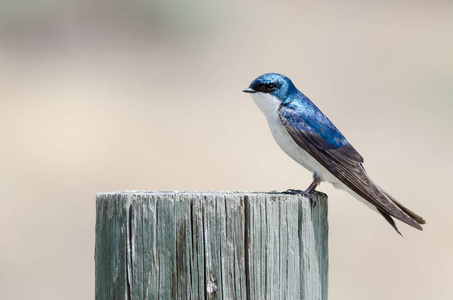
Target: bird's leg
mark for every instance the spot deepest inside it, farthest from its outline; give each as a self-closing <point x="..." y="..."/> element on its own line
<point x="311" y="188"/>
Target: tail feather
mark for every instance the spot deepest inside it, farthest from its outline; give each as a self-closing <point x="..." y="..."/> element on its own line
<point x="410" y="213"/>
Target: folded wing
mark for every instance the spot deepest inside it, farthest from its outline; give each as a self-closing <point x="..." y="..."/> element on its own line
<point x="344" y="162"/>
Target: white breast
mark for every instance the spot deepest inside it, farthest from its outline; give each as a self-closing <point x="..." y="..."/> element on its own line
<point x="269" y="106"/>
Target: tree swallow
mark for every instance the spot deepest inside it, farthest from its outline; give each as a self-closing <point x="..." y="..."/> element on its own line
<point x="304" y="133"/>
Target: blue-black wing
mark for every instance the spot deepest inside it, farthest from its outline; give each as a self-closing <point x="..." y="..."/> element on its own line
<point x="314" y="133"/>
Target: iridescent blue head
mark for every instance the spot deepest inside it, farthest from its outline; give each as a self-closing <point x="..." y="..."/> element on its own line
<point x="274" y="84"/>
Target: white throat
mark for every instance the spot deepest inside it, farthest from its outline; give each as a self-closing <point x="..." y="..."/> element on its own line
<point x="267" y="103"/>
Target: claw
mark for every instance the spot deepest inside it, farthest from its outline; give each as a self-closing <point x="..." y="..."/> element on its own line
<point x="294" y="192"/>
<point x="313" y="200"/>
<point x="309" y="195"/>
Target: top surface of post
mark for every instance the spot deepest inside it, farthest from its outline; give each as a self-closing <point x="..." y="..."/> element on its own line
<point x="208" y="193"/>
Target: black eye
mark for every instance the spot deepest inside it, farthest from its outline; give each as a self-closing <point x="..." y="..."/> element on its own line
<point x="266" y="88"/>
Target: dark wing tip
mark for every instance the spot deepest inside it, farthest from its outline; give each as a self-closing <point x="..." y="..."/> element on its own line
<point x="390" y="220"/>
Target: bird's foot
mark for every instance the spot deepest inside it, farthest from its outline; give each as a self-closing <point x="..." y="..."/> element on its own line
<point x="307" y="194"/>
<point x="294" y="192"/>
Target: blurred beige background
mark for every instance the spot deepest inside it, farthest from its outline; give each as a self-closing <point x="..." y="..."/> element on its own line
<point x="110" y="95"/>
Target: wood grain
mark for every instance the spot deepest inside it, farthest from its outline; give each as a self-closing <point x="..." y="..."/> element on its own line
<point x="210" y="245"/>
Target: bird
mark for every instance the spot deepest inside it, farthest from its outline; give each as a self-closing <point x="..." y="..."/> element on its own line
<point x="306" y="135"/>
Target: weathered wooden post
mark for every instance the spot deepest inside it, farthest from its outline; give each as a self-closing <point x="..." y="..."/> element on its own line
<point x="210" y="245"/>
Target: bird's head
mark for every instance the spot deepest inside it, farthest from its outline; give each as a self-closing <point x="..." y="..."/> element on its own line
<point x="270" y="90"/>
<point x="273" y="84"/>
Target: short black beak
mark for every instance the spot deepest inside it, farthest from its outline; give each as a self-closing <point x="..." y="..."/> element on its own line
<point x="249" y="90"/>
